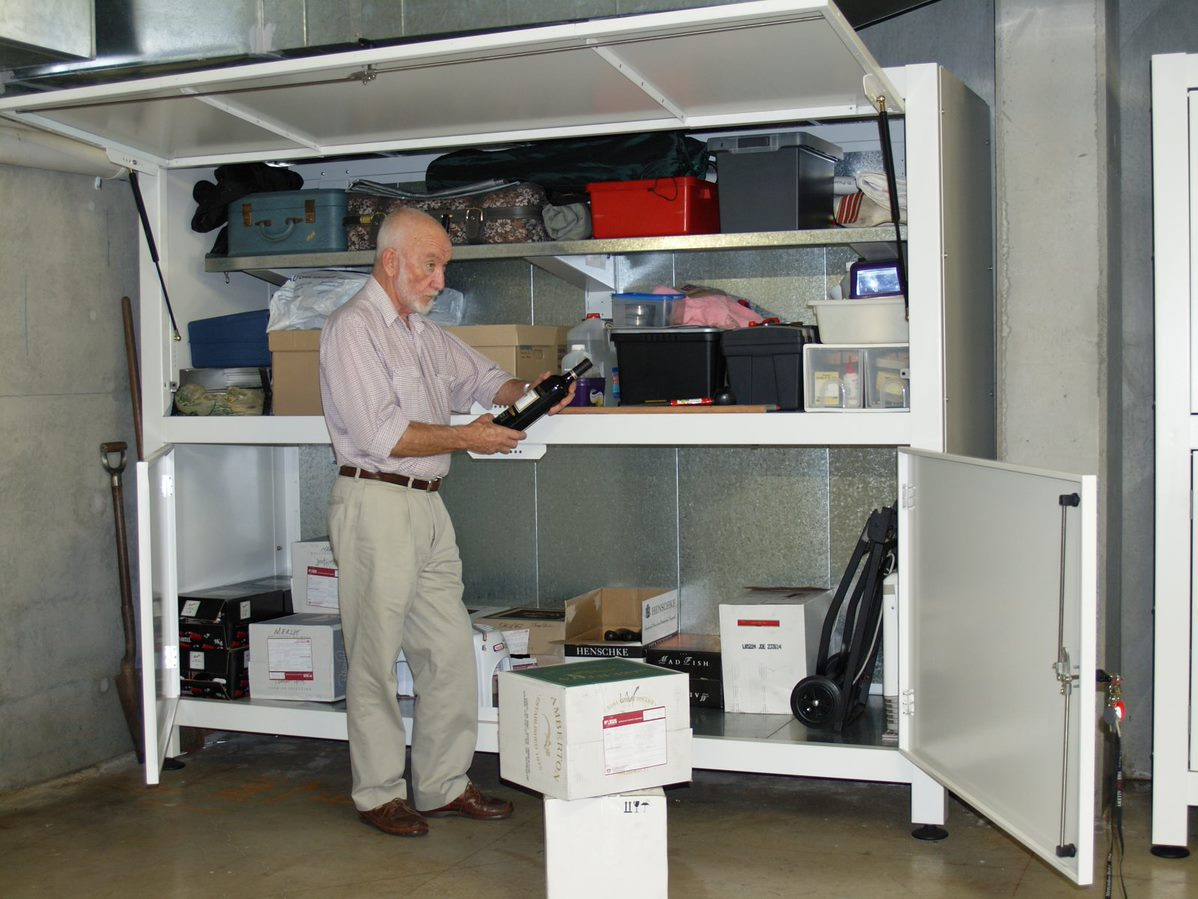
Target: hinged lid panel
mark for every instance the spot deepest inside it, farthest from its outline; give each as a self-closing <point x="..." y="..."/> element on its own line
<point x="998" y="582"/>
<point x="772" y="60"/>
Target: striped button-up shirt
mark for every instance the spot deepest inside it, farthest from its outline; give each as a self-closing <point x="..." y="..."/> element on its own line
<point x="378" y="375"/>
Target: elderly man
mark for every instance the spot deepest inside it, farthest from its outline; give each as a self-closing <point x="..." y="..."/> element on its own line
<point x="389" y="379"/>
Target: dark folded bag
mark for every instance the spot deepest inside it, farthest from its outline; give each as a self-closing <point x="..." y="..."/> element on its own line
<point x="508" y="213"/>
<point x="567" y="166"/>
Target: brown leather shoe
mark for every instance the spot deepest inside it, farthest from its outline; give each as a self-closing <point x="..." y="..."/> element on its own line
<point x="396" y="818"/>
<point x="473" y="804"/>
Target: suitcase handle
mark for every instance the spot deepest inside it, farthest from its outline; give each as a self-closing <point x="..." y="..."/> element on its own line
<point x="276" y="236"/>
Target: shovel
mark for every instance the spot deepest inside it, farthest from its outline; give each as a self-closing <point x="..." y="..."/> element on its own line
<point x="128" y="683"/>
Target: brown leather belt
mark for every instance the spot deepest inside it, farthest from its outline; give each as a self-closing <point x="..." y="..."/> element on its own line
<point x="348" y="471"/>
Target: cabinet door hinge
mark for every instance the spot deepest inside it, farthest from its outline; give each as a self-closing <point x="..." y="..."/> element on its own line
<point x="907" y="498"/>
<point x="166" y="487"/>
<point x="170" y="658"/>
<point x="907" y="703"/>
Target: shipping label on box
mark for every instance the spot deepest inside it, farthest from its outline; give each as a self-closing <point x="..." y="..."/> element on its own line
<point x="299" y="657"/>
<point x="769" y="642"/>
<point x="530" y="632"/>
<point x="619" y="622"/>
<point x="594" y="728"/>
<point x="314" y="577"/>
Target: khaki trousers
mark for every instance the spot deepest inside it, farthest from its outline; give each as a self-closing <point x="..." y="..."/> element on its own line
<point x="400" y="587"/>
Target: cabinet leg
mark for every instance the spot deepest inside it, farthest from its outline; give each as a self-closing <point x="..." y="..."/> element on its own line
<point x="1170" y="851"/>
<point x="929" y="807"/>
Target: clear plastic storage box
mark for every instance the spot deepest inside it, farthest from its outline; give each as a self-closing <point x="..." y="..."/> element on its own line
<point x="644" y="310"/>
<point x="856" y="377"/>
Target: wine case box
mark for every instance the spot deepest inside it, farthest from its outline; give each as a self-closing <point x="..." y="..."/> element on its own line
<point x="300" y="657"/>
<point x="218" y="618"/>
<point x="595" y="728"/>
<point x="530" y="632"/>
<point x="769" y="642"/>
<point x="214" y="673"/>
<point x="652" y="611"/>
<point x="523" y="350"/>
<point x="295" y="372"/>
<point x="695" y="654"/>
<point x="314" y="577"/>
<point x="622" y="837"/>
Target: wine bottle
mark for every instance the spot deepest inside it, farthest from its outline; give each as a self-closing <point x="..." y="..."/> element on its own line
<point x="540" y="399"/>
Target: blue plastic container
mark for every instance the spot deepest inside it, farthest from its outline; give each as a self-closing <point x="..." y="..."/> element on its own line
<point x="230" y="341"/>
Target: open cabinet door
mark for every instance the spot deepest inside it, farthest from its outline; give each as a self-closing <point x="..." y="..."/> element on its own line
<point x="997" y="631"/>
<point x="159" y="623"/>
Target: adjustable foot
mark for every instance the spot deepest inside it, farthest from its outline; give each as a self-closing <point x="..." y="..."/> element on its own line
<point x="1170" y="851"/>
<point x="930" y="833"/>
<point x="170" y="764"/>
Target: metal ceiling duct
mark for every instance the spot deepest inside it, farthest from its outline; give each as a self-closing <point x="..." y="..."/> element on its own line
<point x="136" y="38"/>
<point x="40" y="31"/>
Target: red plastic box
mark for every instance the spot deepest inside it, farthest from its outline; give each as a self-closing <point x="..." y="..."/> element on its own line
<point x="657" y="207"/>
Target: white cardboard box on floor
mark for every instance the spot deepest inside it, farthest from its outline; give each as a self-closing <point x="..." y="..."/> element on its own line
<point x="768" y="643"/>
<point x="313" y="577"/>
<point x="298" y="657"/>
<point x="607" y="846"/>
<point x="594" y="728"/>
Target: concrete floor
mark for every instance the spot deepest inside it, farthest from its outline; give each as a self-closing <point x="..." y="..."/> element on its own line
<point x="270" y="817"/>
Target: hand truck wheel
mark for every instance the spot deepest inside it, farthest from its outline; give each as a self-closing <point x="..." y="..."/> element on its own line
<point x="816" y="701"/>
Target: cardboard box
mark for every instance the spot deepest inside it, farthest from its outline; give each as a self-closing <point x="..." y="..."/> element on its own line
<point x="769" y="642"/>
<point x="622" y="839"/>
<point x="698" y="656"/>
<point x="298" y="657"/>
<point x="214" y="673"/>
<point x="313" y="577"/>
<point x="594" y="728"/>
<point x="706" y="692"/>
<point x="523" y="350"/>
<point x="295" y="372"/>
<point x="218" y="618"/>
<point x="651" y="611"/>
<point x="530" y="632"/>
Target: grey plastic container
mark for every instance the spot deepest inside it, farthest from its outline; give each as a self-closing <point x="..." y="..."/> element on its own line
<point x="780" y="181"/>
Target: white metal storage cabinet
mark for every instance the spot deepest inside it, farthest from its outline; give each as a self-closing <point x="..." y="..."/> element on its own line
<point x="228" y="489"/>
<point x="1175" y="673"/>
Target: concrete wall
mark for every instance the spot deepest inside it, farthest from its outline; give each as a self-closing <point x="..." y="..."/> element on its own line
<point x="67" y="256"/>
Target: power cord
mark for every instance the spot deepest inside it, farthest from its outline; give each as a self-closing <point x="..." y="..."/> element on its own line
<point x="1113" y="716"/>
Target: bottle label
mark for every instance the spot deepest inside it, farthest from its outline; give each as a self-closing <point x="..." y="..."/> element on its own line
<point x="525" y="401"/>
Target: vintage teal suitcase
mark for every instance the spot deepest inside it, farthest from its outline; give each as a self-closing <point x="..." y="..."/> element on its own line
<point x="287" y="221"/>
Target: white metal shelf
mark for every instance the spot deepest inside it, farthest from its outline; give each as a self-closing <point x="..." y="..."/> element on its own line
<point x="607" y="429"/>
<point x="267" y="266"/>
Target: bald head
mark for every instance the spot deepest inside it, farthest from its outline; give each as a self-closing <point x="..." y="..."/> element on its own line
<point x="410" y="259"/>
<point x="405" y="224"/>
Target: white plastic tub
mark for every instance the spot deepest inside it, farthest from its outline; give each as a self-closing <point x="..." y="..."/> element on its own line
<point x="862" y="321"/>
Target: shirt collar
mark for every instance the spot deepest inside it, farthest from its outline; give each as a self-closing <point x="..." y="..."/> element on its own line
<point x="382" y="304"/>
